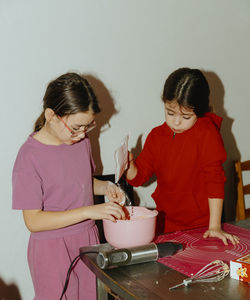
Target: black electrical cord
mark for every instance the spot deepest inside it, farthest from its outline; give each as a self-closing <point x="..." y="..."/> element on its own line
<point x="71" y="267"/>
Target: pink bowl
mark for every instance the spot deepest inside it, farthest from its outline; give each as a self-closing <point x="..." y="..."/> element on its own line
<point x="139" y="229"/>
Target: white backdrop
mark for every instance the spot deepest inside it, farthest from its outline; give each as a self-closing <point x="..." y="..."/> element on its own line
<point x="127" y="48"/>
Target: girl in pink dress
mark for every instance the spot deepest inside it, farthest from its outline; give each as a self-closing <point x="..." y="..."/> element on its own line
<point x="53" y="186"/>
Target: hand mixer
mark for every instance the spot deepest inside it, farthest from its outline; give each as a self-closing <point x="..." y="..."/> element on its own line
<point x="112" y="258"/>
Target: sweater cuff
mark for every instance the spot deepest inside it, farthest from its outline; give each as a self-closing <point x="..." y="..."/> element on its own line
<point x="136" y="181"/>
<point x="215" y="190"/>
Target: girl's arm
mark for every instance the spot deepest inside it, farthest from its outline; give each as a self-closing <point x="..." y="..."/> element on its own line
<point x="100" y="186"/>
<point x="39" y="220"/>
<point x="109" y="189"/>
<point x="214" y="228"/>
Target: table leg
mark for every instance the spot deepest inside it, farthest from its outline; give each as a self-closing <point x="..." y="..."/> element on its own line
<point x="101" y="291"/>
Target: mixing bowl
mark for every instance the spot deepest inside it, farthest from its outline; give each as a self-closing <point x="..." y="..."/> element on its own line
<point x="138" y="229"/>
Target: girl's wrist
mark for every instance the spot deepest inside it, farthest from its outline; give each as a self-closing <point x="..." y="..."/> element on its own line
<point x="86" y="212"/>
<point x="108" y="184"/>
<point x="214" y="227"/>
<point x="131" y="164"/>
<point x="105" y="187"/>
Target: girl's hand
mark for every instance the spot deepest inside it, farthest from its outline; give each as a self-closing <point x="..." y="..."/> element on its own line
<point x="114" y="193"/>
<point x="110" y="211"/>
<point x="224" y="236"/>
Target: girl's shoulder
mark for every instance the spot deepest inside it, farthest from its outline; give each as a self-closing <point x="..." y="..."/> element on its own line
<point x="161" y="130"/>
<point x="209" y="122"/>
<point x="24" y="156"/>
<point x="26" y="147"/>
<point x="207" y="127"/>
<point x="158" y="135"/>
<point x="207" y="131"/>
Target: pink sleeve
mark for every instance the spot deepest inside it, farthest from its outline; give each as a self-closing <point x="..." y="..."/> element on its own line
<point x="26" y="185"/>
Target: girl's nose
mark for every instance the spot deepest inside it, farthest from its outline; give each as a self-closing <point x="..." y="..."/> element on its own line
<point x="177" y="120"/>
<point x="80" y="136"/>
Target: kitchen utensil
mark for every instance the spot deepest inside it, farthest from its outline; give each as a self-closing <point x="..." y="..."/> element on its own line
<point x="212" y="272"/>
<point x="129" y="256"/>
<point x="138" y="229"/>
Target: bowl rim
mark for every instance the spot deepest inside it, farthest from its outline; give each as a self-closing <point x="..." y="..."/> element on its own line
<point x="154" y="214"/>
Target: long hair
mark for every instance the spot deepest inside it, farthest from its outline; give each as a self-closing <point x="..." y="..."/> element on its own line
<point x="189" y="88"/>
<point x="68" y="94"/>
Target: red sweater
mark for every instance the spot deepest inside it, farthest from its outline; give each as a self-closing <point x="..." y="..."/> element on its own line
<point x="188" y="167"/>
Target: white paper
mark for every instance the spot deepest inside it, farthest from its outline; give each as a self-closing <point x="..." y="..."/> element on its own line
<point x="121" y="159"/>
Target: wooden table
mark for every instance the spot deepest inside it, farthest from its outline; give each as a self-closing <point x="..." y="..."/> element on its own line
<point x="151" y="281"/>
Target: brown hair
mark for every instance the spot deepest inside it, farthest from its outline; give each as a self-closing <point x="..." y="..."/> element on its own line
<point x="68" y="94"/>
<point x="189" y="88"/>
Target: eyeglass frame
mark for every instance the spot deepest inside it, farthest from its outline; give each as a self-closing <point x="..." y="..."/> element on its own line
<point x="87" y="128"/>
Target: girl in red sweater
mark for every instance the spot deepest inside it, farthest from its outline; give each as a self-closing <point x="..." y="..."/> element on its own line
<point x="186" y="154"/>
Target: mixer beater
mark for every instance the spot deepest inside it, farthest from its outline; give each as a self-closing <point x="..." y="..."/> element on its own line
<point x="212" y="272"/>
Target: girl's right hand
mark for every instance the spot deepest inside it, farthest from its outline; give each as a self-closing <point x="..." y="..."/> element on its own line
<point x="110" y="211"/>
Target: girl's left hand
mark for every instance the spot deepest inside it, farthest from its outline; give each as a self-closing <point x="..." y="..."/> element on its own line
<point x="114" y="193"/>
<point x="224" y="236"/>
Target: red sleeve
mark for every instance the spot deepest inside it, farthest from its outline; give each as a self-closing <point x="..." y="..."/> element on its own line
<point x="213" y="155"/>
<point x="145" y="161"/>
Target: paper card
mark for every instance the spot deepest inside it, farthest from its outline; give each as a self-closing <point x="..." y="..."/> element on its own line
<point x="240" y="268"/>
<point x="121" y="159"/>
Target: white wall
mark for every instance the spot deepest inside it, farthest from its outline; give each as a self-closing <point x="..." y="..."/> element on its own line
<point x="129" y="47"/>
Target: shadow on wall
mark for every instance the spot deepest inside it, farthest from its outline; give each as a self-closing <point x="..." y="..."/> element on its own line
<point x="108" y="109"/>
<point x="217" y="102"/>
<point x="9" y="292"/>
<point x="136" y="151"/>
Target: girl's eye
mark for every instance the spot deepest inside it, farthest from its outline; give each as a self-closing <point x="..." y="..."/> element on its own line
<point x="170" y="113"/>
<point x="186" y="117"/>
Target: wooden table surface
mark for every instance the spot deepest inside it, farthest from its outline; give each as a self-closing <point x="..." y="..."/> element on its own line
<point x="152" y="280"/>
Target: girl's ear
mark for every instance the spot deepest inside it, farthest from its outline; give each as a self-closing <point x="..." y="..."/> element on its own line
<point x="49" y="114"/>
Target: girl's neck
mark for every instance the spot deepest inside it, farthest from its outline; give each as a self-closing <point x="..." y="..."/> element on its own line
<point x="45" y="137"/>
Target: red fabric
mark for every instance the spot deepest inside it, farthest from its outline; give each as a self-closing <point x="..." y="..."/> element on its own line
<point x="188" y="167"/>
<point x="199" y="252"/>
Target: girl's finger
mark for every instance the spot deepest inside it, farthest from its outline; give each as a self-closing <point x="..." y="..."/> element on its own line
<point x="205" y="235"/>
<point x="116" y="210"/>
<point x="224" y="240"/>
<point x="234" y="239"/>
<point x="230" y="238"/>
<point x="110" y="218"/>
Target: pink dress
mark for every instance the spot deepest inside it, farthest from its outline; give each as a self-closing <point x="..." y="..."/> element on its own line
<point x="57" y="178"/>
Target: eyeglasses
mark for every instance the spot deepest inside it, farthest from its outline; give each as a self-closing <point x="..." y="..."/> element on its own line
<point x="85" y="129"/>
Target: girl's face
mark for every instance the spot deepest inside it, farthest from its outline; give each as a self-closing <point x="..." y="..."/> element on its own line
<point x="178" y="118"/>
<point x="71" y="128"/>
